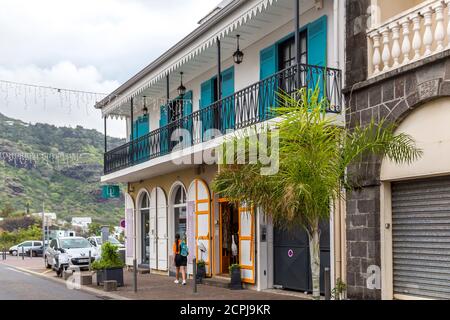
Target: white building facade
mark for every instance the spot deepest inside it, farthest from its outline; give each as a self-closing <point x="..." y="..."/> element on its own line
<point x="169" y="190"/>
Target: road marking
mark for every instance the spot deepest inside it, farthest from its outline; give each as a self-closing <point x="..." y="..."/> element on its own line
<point x="15" y="270"/>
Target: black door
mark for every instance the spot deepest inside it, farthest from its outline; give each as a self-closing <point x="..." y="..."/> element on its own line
<point x="291" y="258"/>
<point x="287" y="58"/>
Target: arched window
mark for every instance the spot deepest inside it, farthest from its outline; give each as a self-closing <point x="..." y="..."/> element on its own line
<point x="145" y="201"/>
<point x="144" y="209"/>
<point x="179" y="209"/>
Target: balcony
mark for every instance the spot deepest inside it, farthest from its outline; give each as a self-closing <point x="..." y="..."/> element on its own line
<point x="247" y="107"/>
<point x="412" y="35"/>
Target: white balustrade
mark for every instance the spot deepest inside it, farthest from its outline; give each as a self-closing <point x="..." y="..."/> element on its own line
<point x="413" y="35"/>
<point x="406" y="44"/>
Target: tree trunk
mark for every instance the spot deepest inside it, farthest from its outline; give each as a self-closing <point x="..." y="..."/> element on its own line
<point x="314" y="252"/>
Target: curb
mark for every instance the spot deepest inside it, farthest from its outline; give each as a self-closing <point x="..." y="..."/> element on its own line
<point x="98" y="293"/>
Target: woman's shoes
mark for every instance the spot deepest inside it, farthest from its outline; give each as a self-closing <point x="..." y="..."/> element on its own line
<point x="184" y="282"/>
<point x="176" y="282"/>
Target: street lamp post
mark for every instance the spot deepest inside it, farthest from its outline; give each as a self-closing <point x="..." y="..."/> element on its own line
<point x="43" y="230"/>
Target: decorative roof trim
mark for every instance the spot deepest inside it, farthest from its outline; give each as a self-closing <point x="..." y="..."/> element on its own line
<point x="144" y="78"/>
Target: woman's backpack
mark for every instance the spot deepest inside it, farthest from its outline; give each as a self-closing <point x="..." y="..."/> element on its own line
<point x="184" y="250"/>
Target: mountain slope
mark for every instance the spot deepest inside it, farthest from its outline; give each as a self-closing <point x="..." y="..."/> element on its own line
<point x="59" y="166"/>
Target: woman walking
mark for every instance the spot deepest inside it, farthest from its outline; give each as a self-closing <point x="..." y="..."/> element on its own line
<point x="180" y="252"/>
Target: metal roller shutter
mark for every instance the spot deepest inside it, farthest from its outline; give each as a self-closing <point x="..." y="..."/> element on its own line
<point x="421" y="238"/>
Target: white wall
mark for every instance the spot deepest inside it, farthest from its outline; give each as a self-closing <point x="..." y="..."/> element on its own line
<point x="429" y="127"/>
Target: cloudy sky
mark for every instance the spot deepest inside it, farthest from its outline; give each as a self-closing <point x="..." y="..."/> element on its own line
<point x="89" y="45"/>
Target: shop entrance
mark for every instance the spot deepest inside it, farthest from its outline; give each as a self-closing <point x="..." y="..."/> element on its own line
<point x="229" y="236"/>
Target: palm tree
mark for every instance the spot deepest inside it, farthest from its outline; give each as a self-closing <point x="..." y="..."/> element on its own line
<point x="313" y="156"/>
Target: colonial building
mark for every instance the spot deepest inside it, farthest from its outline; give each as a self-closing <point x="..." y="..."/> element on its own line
<point x="398" y="221"/>
<point x="222" y="76"/>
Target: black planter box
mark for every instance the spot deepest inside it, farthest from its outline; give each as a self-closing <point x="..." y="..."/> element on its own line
<point x="236" y="281"/>
<point x="110" y="274"/>
<point x="201" y="272"/>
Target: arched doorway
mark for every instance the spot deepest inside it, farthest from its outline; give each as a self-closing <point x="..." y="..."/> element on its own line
<point x="199" y="200"/>
<point x="143" y="215"/>
<point x="179" y="207"/>
<point x="158" y="230"/>
<point x="414" y="210"/>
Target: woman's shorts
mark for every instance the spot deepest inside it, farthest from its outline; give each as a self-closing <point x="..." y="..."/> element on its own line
<point x="180" y="261"/>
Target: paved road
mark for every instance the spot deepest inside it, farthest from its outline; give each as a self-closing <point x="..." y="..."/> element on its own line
<point x="18" y="285"/>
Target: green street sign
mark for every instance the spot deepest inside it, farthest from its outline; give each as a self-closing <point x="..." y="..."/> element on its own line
<point x="110" y="192"/>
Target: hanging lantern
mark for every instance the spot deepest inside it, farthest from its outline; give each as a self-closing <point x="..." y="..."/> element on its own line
<point x="238" y="56"/>
<point x="181" y="89"/>
<point x="145" y="109"/>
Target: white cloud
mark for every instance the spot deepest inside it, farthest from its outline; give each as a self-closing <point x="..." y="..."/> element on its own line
<point x="86" y="45"/>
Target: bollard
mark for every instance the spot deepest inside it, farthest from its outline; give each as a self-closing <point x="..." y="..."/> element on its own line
<point x="89" y="260"/>
<point x="23" y="253"/>
<point x="194" y="275"/>
<point x="134" y="275"/>
<point x="327" y="284"/>
<point x="31" y="253"/>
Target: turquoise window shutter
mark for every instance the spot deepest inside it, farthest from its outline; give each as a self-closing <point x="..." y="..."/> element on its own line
<point x="187" y="105"/>
<point x="268" y="67"/>
<point x="207" y="99"/>
<point x="163" y="116"/>
<point x="143" y="126"/>
<point x="317" y="52"/>
<point x="163" y="134"/>
<point x="188" y="122"/>
<point x="268" y="61"/>
<point x="228" y="82"/>
<point x="227" y="107"/>
<point x="207" y="94"/>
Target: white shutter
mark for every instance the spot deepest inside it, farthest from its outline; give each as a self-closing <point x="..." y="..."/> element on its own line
<point x="162" y="238"/>
<point x="129" y="229"/>
<point x="153" y="231"/>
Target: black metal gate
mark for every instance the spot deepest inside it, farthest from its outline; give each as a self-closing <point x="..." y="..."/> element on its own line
<point x="291" y="258"/>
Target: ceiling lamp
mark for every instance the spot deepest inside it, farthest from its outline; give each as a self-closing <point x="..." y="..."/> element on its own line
<point x="145" y="109"/>
<point x="181" y="89"/>
<point x="238" y="56"/>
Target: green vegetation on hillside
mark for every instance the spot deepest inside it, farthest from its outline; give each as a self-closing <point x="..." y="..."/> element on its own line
<point x="59" y="166"/>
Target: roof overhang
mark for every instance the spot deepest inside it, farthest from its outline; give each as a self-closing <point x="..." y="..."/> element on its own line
<point x="196" y="53"/>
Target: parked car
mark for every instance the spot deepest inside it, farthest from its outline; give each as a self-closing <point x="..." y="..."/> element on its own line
<point x="98" y="241"/>
<point x="37" y="252"/>
<point x="69" y="253"/>
<point x="26" y="245"/>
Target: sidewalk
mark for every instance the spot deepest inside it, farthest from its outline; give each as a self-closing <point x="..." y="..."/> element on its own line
<point x="158" y="287"/>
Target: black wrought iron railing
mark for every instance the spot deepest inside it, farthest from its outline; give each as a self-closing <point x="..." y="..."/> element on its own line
<point x="247" y="107"/>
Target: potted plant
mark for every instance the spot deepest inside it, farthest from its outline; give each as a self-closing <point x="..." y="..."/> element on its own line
<point x="201" y="271"/>
<point x="338" y="293"/>
<point x="236" y="281"/>
<point x="109" y="266"/>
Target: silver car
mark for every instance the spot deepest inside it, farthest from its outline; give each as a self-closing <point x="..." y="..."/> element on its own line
<point x="69" y="253"/>
<point x="25" y="247"/>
